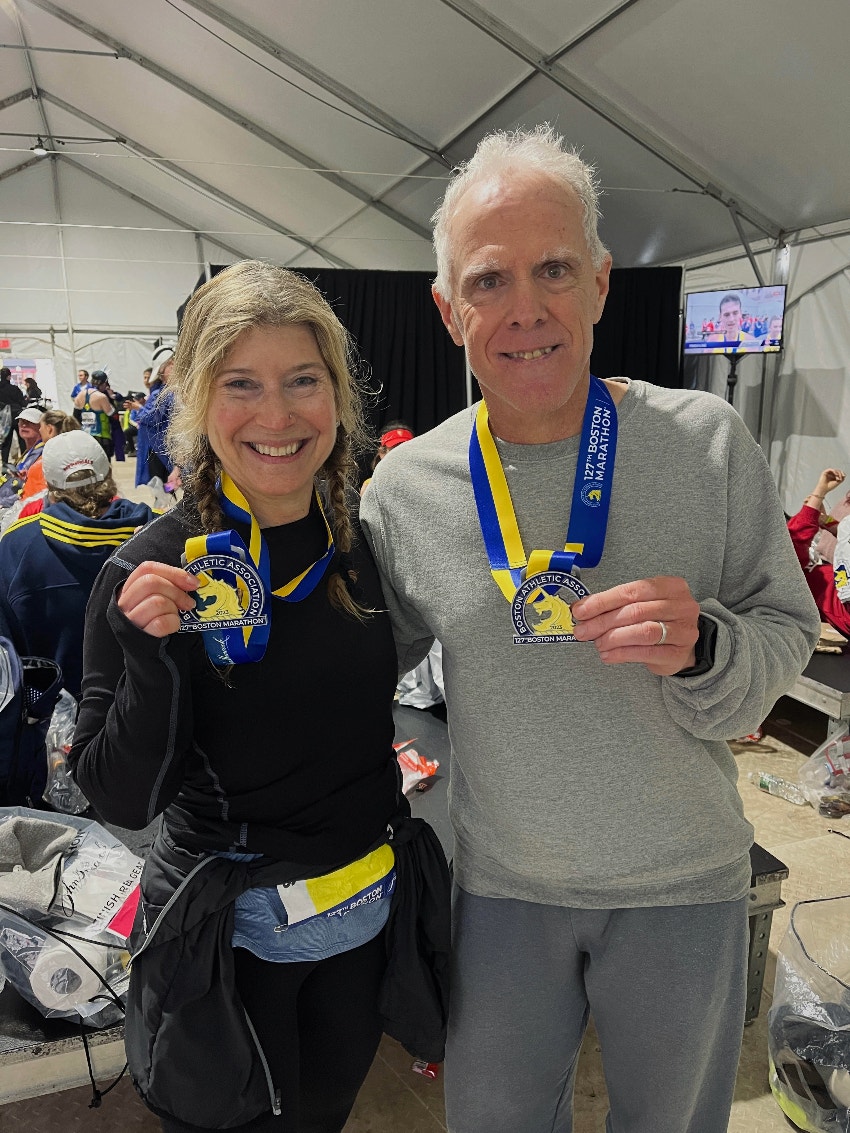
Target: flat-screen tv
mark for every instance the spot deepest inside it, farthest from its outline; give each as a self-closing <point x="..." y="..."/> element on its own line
<point x="739" y="320"/>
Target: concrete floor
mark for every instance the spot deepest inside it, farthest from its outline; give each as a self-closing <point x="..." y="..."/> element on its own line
<point x="395" y="1099"/>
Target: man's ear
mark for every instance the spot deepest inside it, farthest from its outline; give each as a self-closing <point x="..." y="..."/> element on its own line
<point x="603" y="279"/>
<point x="447" y="314"/>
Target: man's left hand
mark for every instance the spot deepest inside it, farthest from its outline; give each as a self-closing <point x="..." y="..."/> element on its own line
<point x="628" y="623"/>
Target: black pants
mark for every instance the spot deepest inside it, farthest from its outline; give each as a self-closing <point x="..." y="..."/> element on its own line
<point x="107" y="444"/>
<point x="6" y="447"/>
<point x="318" y="1026"/>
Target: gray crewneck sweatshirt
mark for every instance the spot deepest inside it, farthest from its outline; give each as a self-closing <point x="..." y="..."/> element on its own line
<point x="576" y="783"/>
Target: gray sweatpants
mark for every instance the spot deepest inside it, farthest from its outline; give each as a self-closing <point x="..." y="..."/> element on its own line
<point x="667" y="988"/>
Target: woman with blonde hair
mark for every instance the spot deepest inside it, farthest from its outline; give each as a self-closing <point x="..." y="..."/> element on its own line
<point x="262" y="734"/>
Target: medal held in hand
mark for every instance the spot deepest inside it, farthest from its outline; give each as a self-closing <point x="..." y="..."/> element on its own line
<point x="230" y="591"/>
<point x="234" y="583"/>
<point x="542" y="587"/>
<point x="230" y="600"/>
<point x="541" y="608"/>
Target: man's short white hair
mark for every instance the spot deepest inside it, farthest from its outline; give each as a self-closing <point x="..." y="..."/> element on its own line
<point x="540" y="150"/>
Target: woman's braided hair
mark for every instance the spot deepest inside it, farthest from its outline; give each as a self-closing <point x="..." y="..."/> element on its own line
<point x="248" y="295"/>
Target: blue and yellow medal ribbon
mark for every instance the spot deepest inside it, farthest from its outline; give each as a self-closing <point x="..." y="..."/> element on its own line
<point x="234" y="637"/>
<point x="247" y="638"/>
<point x="236" y="507"/>
<point x="591" y="500"/>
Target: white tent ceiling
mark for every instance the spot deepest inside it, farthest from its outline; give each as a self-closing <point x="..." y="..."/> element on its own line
<point x="319" y="132"/>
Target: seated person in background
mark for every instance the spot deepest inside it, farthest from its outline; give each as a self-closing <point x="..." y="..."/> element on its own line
<point x="393" y="435"/>
<point x="821" y="541"/>
<point x="96" y="411"/>
<point x="28" y="421"/>
<point x="49" y="560"/>
<point x="52" y="423"/>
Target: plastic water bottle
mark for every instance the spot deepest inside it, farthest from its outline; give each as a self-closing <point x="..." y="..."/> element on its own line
<point x="776" y="785"/>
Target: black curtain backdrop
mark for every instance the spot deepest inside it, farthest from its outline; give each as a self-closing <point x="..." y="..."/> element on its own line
<point x="401" y="338"/>
<point x="638" y="334"/>
<point x="416" y="370"/>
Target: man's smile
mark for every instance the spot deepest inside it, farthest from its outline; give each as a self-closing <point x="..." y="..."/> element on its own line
<point x="530" y="355"/>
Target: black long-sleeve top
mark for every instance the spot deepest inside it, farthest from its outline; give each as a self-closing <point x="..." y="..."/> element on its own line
<point x="291" y="757"/>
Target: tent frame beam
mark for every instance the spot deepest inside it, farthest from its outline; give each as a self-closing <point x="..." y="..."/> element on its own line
<point x="241" y="120"/>
<point x="319" y="78"/>
<point x="197" y="183"/>
<point x="183" y="226"/>
<point x="612" y="113"/>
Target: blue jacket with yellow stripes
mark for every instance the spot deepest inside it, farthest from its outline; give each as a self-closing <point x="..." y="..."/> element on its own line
<point x="48" y="564"/>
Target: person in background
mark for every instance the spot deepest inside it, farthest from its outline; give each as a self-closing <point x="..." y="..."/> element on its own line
<point x="729" y="330"/>
<point x="96" y="412"/>
<point x="393" y="434"/>
<point x="32" y="391"/>
<point x="81" y="384"/>
<point x="773" y="337"/>
<point x="821" y="539"/>
<point x="153" y="459"/>
<point x="28" y="422"/>
<point x="82" y="380"/>
<point x="147" y="376"/>
<point x="601" y="859"/>
<point x="133" y="405"/>
<point x="52" y="423"/>
<point x="100" y="381"/>
<point x="273" y="1023"/>
<point x="13" y="397"/>
<point x="50" y="560"/>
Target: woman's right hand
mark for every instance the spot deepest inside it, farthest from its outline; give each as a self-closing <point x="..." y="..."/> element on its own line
<point x="153" y="596"/>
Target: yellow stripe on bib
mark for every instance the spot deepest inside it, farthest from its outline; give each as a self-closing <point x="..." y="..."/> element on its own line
<point x="304" y="899"/>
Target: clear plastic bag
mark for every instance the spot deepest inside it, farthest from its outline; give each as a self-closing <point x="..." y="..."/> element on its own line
<point x="60" y="791"/>
<point x="809" y="1022"/>
<point x="68" y="956"/>
<point x="825" y="777"/>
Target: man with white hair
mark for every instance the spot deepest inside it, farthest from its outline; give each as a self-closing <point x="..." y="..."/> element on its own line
<point x="594" y="664"/>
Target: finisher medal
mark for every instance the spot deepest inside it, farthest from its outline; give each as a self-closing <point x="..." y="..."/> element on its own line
<point x="233" y="598"/>
<point x="230" y="601"/>
<point x="542" y="586"/>
<point x="541" y="608"/>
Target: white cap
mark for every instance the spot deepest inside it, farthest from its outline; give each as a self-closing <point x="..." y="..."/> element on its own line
<point x="161" y="355"/>
<point x="73" y="452"/>
<point x="31" y="414"/>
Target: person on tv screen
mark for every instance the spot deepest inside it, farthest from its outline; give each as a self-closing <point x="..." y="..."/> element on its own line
<point x="729" y="331"/>
<point x="773" y="338"/>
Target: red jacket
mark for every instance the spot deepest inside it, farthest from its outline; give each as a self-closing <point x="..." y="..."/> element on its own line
<point x="803" y="527"/>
